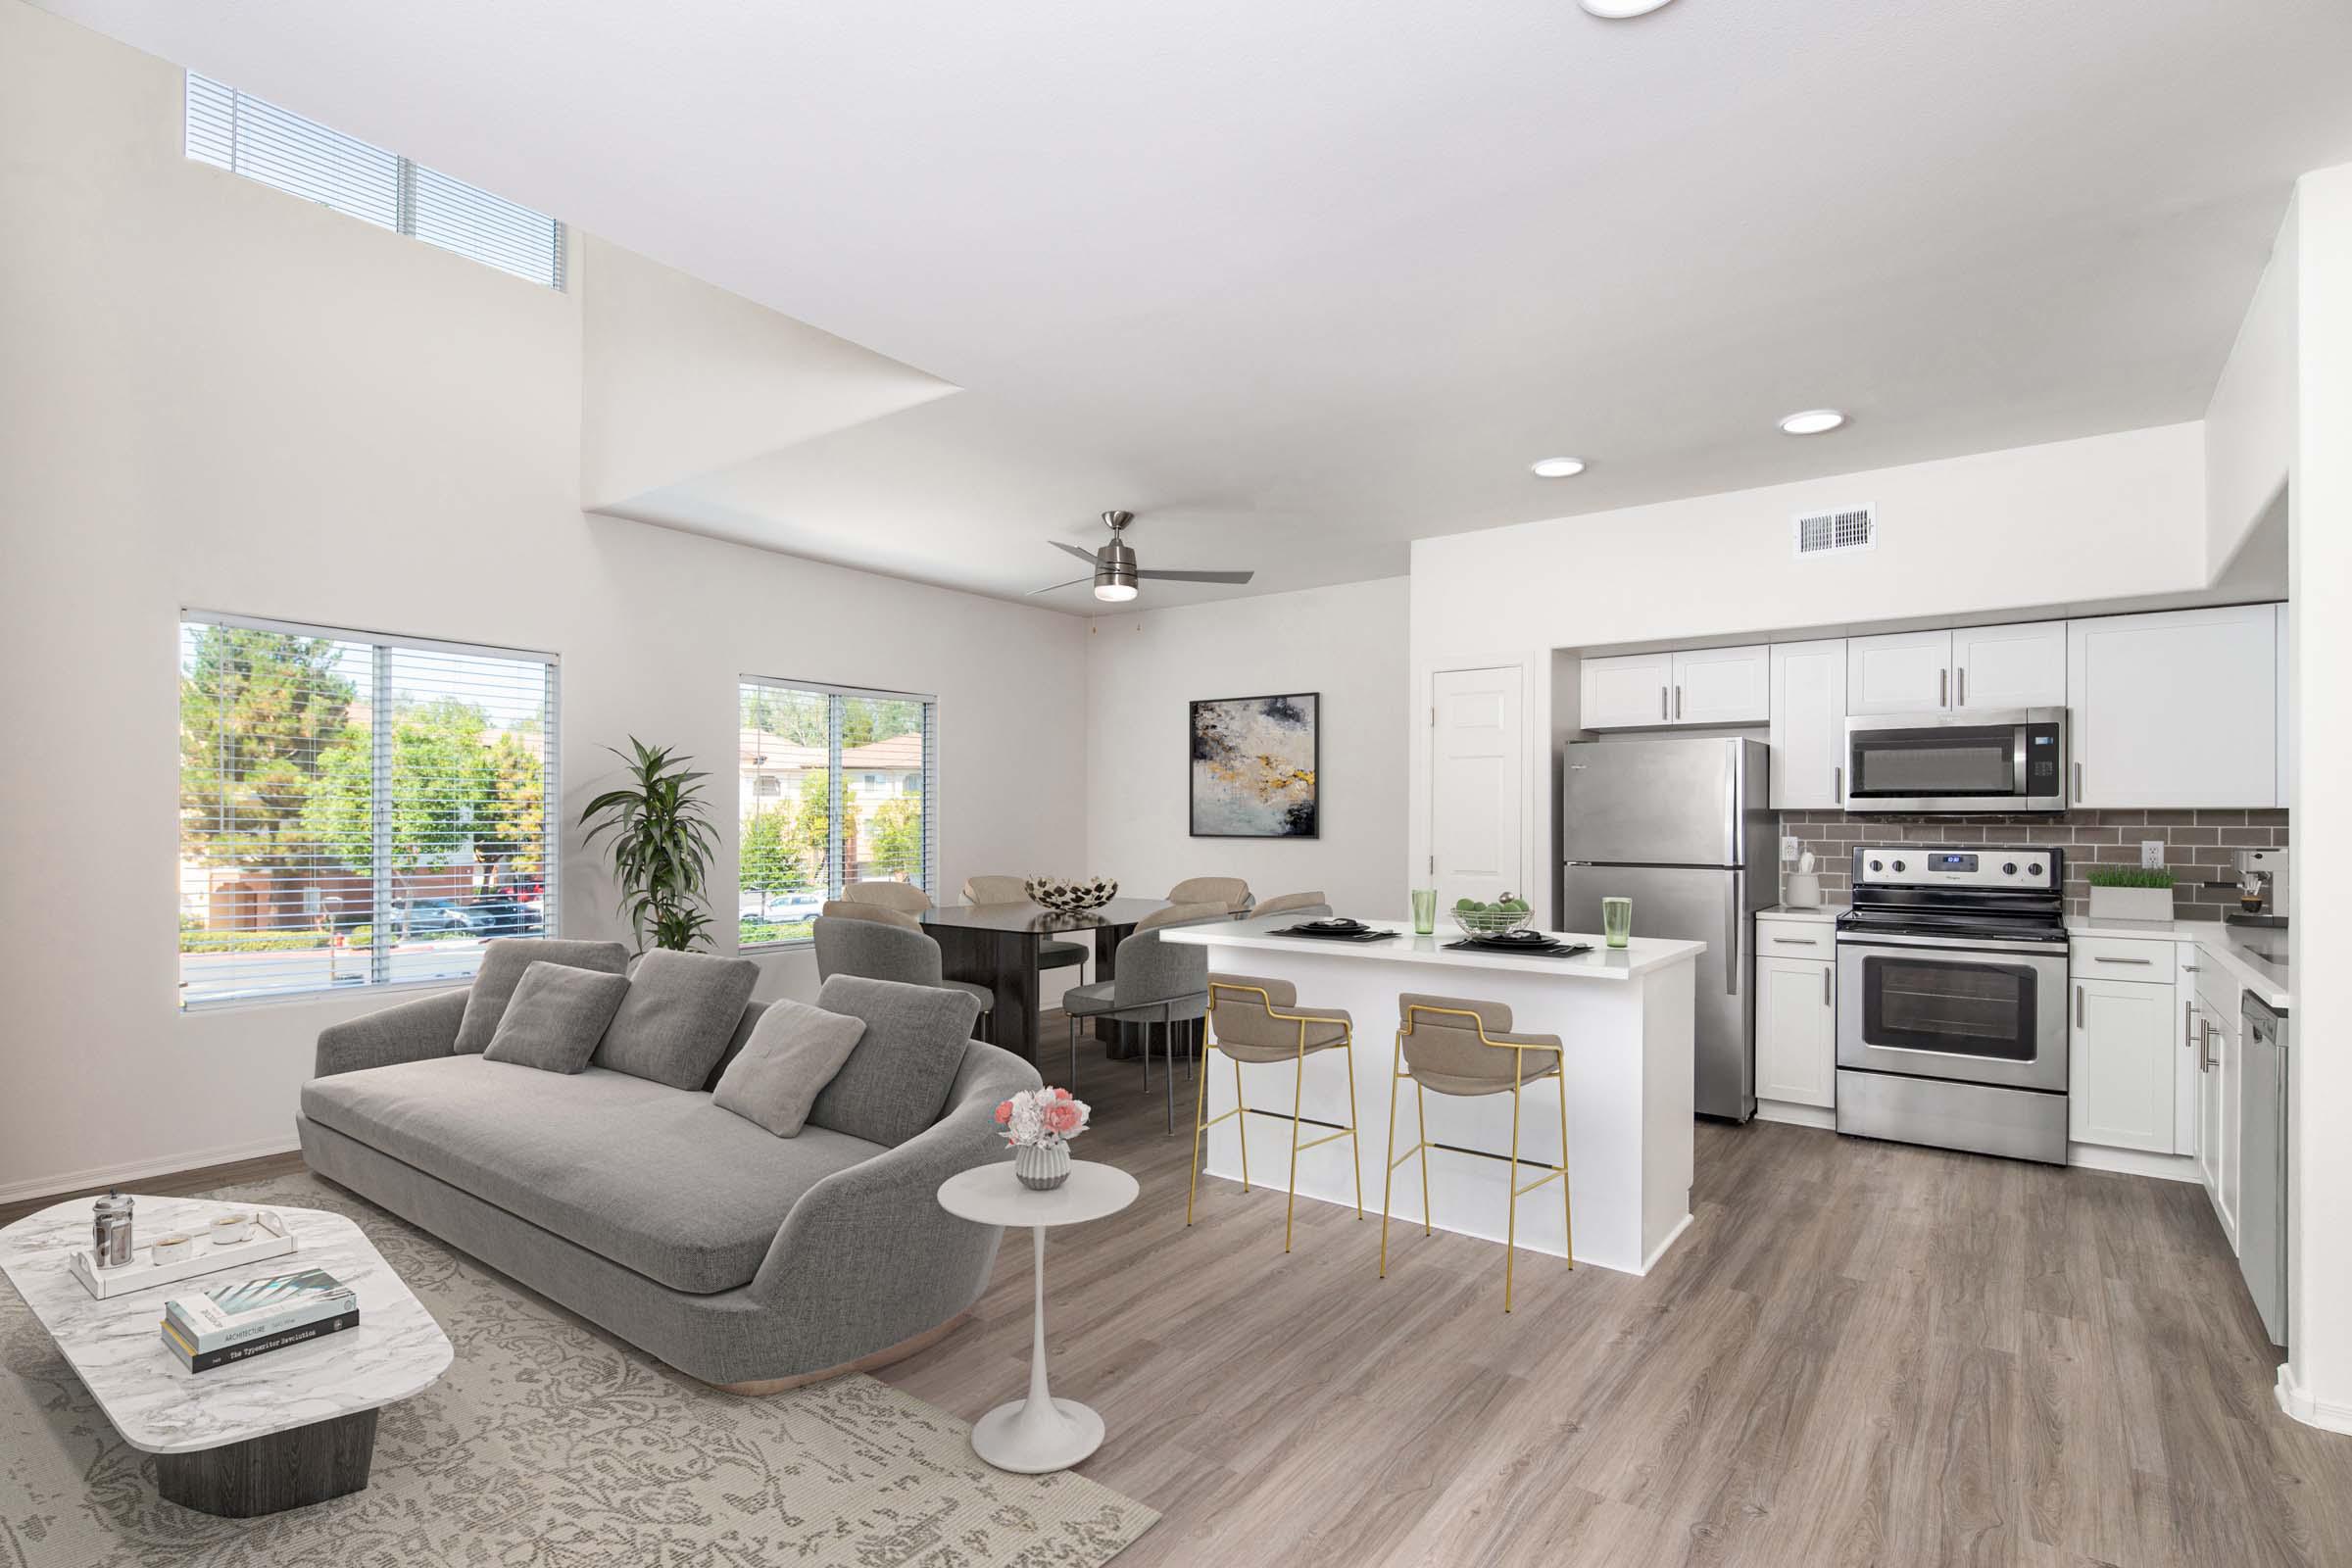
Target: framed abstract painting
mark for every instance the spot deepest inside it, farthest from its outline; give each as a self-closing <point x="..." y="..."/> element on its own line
<point x="1253" y="767"/>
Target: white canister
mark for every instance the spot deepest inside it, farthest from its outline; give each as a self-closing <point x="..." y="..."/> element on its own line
<point x="1803" y="889"/>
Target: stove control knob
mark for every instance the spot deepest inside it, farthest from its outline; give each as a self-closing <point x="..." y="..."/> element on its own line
<point x="2035" y="869"/>
<point x="1878" y="866"/>
<point x="2009" y="868"/>
<point x="1899" y="866"/>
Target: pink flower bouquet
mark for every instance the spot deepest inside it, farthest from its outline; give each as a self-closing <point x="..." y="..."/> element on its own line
<point x="1037" y="1118"/>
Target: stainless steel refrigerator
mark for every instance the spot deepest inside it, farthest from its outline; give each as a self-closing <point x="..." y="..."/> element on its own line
<point x="1685" y="829"/>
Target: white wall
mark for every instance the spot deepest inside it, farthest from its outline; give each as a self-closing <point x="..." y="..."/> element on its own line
<point x="1142" y="670"/>
<point x="2250" y="424"/>
<point x="2112" y="516"/>
<point x="2317" y="1382"/>
<point x="214" y="395"/>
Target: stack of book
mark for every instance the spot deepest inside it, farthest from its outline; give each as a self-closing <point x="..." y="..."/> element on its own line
<point x="236" y="1322"/>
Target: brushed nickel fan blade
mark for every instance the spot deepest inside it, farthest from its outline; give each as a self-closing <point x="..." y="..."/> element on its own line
<point x="1082" y="555"/>
<point x="1198" y="576"/>
<point x="1052" y="587"/>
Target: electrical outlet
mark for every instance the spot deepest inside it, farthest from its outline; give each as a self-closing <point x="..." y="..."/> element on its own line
<point x="1790" y="849"/>
<point x="2151" y="853"/>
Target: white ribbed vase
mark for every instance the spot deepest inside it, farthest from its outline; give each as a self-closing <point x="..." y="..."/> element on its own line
<point x="1042" y="1166"/>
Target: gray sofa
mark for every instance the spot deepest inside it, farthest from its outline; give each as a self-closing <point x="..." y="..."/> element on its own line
<point x="736" y="1256"/>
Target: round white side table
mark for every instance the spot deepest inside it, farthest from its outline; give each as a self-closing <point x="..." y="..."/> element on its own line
<point x="1038" y="1433"/>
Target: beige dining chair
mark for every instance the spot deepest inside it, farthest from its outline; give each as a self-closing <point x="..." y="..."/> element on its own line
<point x="904" y="897"/>
<point x="843" y="909"/>
<point x="1293" y="903"/>
<point x="1455" y="1046"/>
<point x="1230" y="891"/>
<point x="979" y="890"/>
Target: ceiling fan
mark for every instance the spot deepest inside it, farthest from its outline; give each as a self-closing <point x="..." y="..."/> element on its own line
<point x="1115" y="572"/>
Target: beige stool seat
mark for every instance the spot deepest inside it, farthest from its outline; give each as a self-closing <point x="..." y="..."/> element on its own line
<point x="1464" y="1046"/>
<point x="1257" y="1019"/>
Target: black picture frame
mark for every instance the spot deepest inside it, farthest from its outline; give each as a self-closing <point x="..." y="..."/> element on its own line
<point x="1192" y="756"/>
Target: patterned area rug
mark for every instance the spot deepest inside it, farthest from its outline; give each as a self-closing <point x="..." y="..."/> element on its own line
<point x="547" y="1444"/>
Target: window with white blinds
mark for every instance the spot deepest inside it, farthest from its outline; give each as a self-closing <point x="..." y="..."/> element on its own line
<point x="239" y="133"/>
<point x="356" y="809"/>
<point x="835" y="785"/>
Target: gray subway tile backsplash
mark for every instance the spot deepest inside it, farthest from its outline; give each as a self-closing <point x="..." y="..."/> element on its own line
<point x="2199" y="846"/>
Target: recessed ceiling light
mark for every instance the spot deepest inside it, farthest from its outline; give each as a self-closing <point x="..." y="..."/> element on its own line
<point x="1556" y="468"/>
<point x="1813" y="422"/>
<point x="1619" y="10"/>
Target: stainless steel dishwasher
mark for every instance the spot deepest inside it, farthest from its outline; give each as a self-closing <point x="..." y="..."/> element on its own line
<point x="2262" y="1236"/>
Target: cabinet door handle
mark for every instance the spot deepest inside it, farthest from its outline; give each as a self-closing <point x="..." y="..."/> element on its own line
<point x="1678" y="702"/>
<point x="1943" y="688"/>
<point x="1799" y="942"/>
<point x="1837" y="784"/>
<point x="1962" y="693"/>
<point x="2188" y="1024"/>
<point x="1663" y="714"/>
<point x="2077" y="1006"/>
<point x="1825" y="984"/>
<point x="2101" y="957"/>
<point x="2077" y="783"/>
<point x="2204" y="1045"/>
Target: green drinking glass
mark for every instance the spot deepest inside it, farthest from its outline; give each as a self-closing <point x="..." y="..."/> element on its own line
<point x="1617" y="920"/>
<point x="1425" y="910"/>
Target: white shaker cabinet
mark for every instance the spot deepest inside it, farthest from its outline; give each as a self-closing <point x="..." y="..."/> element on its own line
<point x="1700" y="686"/>
<point x="1900" y="673"/>
<point x="1723" y="685"/>
<point x="2218" y="1088"/>
<point x="2121" y="1063"/>
<point x="2177" y="709"/>
<point x="1628" y="692"/>
<point x="1796" y="1012"/>
<point x="2009" y="667"/>
<point x="1808" y="725"/>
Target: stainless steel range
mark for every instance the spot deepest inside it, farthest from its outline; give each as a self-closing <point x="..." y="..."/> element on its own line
<point x="1951" y="998"/>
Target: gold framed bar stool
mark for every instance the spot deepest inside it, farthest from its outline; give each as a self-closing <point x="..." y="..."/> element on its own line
<point x="1256" y="1019"/>
<point x="1455" y="1045"/>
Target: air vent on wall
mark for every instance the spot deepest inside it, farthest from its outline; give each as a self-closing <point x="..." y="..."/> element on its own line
<point x="1835" y="532"/>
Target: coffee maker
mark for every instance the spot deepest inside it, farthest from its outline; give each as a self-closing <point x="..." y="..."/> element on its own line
<point x="2261" y="887"/>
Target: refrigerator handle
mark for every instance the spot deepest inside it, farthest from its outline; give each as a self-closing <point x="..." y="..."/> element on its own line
<point x="1736" y="903"/>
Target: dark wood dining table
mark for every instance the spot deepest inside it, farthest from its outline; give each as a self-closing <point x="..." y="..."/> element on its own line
<point x="995" y="945"/>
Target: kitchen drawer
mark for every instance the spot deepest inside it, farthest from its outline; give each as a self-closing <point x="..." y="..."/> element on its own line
<point x="1796" y="939"/>
<point x="2119" y="959"/>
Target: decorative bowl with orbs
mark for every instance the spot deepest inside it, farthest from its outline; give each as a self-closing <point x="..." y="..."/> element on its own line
<point x="1072" y="895"/>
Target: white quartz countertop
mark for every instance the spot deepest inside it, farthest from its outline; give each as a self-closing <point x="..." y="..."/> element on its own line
<point x="1826" y="913"/>
<point x="1643" y="955"/>
<point x="2225" y="945"/>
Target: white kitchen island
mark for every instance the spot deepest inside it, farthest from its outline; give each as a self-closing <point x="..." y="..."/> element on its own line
<point x="1622" y="1016"/>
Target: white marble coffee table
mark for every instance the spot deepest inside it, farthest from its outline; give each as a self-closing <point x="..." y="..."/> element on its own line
<point x="1038" y="1433"/>
<point x="293" y="1427"/>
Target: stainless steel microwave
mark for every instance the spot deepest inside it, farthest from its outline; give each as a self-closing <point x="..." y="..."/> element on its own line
<point x="2010" y="761"/>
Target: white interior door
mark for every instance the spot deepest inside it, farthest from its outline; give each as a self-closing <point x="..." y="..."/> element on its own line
<point x="1478" y="784"/>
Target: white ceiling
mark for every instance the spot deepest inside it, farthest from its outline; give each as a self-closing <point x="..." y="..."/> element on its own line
<point x="1299" y="282"/>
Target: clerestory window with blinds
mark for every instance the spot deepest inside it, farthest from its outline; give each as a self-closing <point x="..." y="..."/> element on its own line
<point x="356" y="809"/>
<point x="836" y="784"/>
<point x="239" y="133"/>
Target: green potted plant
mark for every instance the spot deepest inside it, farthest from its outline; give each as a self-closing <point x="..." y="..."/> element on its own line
<point x="661" y="843"/>
<point x="2130" y="893"/>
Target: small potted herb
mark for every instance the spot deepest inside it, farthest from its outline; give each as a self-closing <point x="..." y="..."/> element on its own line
<point x="2130" y="893"/>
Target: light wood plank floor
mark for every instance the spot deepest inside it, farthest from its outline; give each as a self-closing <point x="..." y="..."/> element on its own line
<point x="1862" y="1354"/>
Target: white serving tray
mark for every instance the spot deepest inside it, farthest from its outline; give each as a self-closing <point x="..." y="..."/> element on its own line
<point x="268" y="1239"/>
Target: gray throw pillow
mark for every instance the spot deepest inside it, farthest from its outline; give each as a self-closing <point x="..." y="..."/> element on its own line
<point x="556" y="1017"/>
<point x="898" y="1076"/>
<point x="679" y="1017"/>
<point x="503" y="963"/>
<point x="794" y="1052"/>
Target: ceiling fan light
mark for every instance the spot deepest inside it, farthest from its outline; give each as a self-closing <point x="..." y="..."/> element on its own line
<point x="1113" y="591"/>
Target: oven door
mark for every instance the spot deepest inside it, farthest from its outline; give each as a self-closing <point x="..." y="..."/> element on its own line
<point x="1968" y="1008"/>
<point x="2006" y="761"/>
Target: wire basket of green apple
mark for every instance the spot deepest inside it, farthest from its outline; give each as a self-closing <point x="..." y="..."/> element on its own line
<point x="1492" y="923"/>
